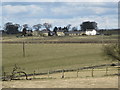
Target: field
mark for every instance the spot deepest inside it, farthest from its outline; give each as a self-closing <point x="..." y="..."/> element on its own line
<point x="52" y="56"/>
<point x="99" y="82"/>
<point x="44" y="57"/>
<point x="94" y="39"/>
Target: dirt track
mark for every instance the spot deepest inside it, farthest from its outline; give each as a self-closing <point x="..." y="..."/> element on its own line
<point x="95" y="82"/>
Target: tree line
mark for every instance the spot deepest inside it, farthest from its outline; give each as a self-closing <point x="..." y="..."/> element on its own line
<point x="11" y="28"/>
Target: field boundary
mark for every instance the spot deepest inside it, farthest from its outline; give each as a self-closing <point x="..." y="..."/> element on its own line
<point x="91" y="68"/>
<point x="55" y="42"/>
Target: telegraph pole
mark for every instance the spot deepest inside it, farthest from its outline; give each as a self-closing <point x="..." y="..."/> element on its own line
<point x="23" y="49"/>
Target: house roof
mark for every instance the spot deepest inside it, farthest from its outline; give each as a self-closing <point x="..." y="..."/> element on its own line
<point x="90" y="29"/>
<point x="73" y="32"/>
<point x="44" y="31"/>
<point x="60" y="30"/>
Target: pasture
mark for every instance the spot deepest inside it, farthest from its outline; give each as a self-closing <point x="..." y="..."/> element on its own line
<point x="99" y="82"/>
<point x="41" y="57"/>
<point x="44" y="57"/>
<point x="98" y="38"/>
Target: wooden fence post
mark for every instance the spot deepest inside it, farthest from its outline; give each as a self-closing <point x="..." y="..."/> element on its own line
<point x="106" y="71"/>
<point x="92" y="74"/>
<point x="48" y="73"/>
<point x="63" y="74"/>
<point x="77" y="72"/>
<point x="3" y="73"/>
<point x="34" y="75"/>
<point x="23" y="49"/>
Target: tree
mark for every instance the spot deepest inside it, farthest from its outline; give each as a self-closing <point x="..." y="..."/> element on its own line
<point x="65" y="29"/>
<point x="11" y="28"/>
<point x="24" y="31"/>
<point x="112" y="51"/>
<point x="47" y="26"/>
<point x="74" y="28"/>
<point x="68" y="26"/>
<point x="25" y="26"/>
<point x="37" y="27"/>
<point x="55" y="30"/>
<point x="88" y="25"/>
<point x="6" y="25"/>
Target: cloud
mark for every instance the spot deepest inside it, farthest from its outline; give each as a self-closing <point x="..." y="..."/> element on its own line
<point x="61" y="14"/>
<point x="78" y="9"/>
<point x="104" y="10"/>
<point x="108" y="21"/>
<point x="57" y="10"/>
<point x="20" y="9"/>
<point x="14" y="9"/>
<point x="60" y="0"/>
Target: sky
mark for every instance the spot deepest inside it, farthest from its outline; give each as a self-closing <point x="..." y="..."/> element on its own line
<point x="60" y="13"/>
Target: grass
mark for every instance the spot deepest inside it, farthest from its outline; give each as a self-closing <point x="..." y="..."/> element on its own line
<point x="90" y="82"/>
<point x="98" y="38"/>
<point x="44" y="57"/>
<point x="98" y="72"/>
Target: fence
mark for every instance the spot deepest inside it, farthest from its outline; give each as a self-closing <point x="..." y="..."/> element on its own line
<point x="92" y="71"/>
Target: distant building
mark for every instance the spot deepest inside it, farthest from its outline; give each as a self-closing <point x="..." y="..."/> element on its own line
<point x="28" y="32"/>
<point x="45" y="32"/>
<point x="36" y="33"/>
<point x="90" y="32"/>
<point x="73" y="33"/>
<point x="60" y="33"/>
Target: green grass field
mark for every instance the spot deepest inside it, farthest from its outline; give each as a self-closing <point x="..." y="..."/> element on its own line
<point x="44" y="57"/>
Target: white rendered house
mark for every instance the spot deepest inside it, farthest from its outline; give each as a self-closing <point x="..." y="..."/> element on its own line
<point x="90" y="32"/>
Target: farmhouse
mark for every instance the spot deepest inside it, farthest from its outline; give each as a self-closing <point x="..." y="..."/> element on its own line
<point x="28" y="32"/>
<point x="45" y="32"/>
<point x="36" y="33"/>
<point x="73" y="33"/>
<point x="60" y="33"/>
<point x="90" y="32"/>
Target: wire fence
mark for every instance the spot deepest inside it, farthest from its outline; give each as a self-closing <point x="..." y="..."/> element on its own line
<point x="92" y="71"/>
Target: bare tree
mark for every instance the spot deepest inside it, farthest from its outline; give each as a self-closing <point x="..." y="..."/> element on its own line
<point x="37" y="27"/>
<point x="68" y="26"/>
<point x="25" y="26"/>
<point x="112" y="51"/>
<point x="74" y="28"/>
<point x="47" y="26"/>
